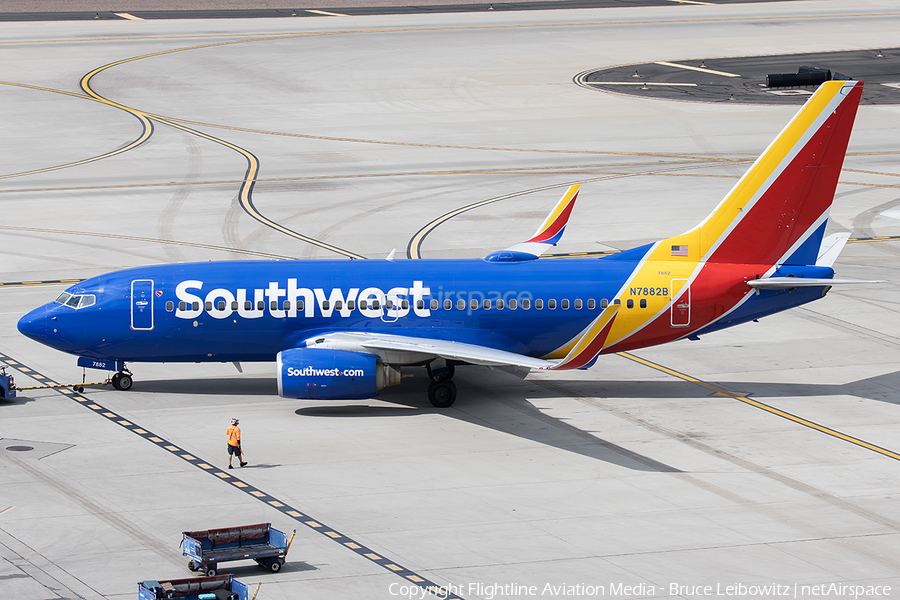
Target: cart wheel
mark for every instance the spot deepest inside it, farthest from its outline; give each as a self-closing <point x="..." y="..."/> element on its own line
<point x="275" y="566"/>
<point x="210" y="572"/>
<point x="192" y="566"/>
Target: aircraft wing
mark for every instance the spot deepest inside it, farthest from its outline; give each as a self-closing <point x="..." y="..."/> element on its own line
<point x="412" y="349"/>
<point x="546" y="236"/>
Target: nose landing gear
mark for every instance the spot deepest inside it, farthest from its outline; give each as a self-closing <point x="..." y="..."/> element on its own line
<point x="122" y="380"/>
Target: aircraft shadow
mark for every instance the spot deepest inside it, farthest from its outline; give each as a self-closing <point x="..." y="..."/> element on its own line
<point x="409" y="400"/>
<point x="881" y="388"/>
<point x="226" y="386"/>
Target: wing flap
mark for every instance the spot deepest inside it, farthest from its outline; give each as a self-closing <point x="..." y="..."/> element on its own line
<point x="416" y="349"/>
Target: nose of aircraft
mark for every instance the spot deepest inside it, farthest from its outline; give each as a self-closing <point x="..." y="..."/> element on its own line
<point x="34" y="325"/>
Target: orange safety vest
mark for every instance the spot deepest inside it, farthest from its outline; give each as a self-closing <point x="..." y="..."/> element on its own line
<point x="234" y="435"/>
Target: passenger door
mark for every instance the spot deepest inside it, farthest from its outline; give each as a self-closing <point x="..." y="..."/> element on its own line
<point x="142" y="304"/>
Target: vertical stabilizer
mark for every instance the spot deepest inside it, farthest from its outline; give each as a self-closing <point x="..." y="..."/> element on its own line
<point x="776" y="213"/>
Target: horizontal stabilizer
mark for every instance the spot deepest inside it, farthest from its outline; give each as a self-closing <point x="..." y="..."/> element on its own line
<point x="786" y="283"/>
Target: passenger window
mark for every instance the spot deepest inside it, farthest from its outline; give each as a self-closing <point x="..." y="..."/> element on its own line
<point x="460" y="304"/>
<point x="170" y="306"/>
<point x="299" y="304"/>
<point x="195" y="306"/>
<point x="182" y="306"/>
<point x="526" y="303"/>
<point x="351" y="304"/>
<point x="404" y="304"/>
<point x="248" y="305"/>
<point x="326" y="305"/>
<point x="273" y="305"/>
<point x="577" y="304"/>
<point x="512" y="304"/>
<point x="448" y="304"/>
<point x="592" y="304"/>
<point x="420" y="304"/>
<point x="234" y="305"/>
<point x="539" y="304"/>
<point x="643" y="303"/>
<point x="499" y="304"/>
<point x="287" y="305"/>
<point x="604" y="303"/>
<point x="473" y="304"/>
<point x="363" y="305"/>
<point x="486" y="305"/>
<point x="389" y="305"/>
<point x="434" y="304"/>
<point x="376" y="304"/>
<point x="208" y="305"/>
<point x="220" y="305"/>
<point x="338" y="305"/>
<point x="630" y="303"/>
<point x="551" y="304"/>
<point x="260" y="305"/>
<point x="565" y="304"/>
<point x="617" y="301"/>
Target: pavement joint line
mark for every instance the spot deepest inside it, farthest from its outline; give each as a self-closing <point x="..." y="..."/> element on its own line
<point x="763" y="406"/>
<point x="288" y="510"/>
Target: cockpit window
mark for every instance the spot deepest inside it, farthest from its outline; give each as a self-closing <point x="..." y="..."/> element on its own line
<point x="76" y="301"/>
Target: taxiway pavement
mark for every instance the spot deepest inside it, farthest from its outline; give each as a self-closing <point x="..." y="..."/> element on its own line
<point x="366" y="129"/>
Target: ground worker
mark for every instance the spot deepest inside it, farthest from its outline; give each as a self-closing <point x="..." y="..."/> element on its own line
<point x="234" y="443"/>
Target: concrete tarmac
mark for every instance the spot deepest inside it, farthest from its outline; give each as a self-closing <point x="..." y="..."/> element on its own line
<point x="764" y="455"/>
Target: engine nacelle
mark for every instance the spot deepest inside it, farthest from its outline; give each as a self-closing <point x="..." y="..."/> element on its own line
<point x="331" y="374"/>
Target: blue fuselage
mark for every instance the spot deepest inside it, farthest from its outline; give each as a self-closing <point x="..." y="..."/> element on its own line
<point x="251" y="310"/>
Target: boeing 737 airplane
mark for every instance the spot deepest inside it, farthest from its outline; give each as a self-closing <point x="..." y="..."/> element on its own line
<point x="342" y="329"/>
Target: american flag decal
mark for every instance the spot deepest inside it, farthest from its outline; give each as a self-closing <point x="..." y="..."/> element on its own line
<point x="679" y="250"/>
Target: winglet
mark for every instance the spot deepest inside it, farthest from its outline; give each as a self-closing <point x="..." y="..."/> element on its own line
<point x="546" y="236"/>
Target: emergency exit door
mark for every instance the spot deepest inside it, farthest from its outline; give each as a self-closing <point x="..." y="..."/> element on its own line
<point x="142" y="304"/>
<point x="680" y="313"/>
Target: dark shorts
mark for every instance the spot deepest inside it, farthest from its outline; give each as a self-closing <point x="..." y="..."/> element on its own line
<point x="234" y="450"/>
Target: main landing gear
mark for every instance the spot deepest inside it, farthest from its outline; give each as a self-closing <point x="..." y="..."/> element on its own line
<point x="442" y="391"/>
<point x="122" y="380"/>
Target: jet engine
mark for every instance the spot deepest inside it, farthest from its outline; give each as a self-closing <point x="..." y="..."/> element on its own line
<point x="327" y="374"/>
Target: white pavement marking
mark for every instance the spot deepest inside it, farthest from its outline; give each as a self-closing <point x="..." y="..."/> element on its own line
<point x="694" y="2"/>
<point x="128" y="16"/>
<point x="638" y="83"/>
<point x="322" y="12"/>
<point x="701" y="69"/>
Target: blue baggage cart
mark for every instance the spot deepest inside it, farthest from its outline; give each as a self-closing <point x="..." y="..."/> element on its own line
<point x="260" y="542"/>
<point x="221" y="587"/>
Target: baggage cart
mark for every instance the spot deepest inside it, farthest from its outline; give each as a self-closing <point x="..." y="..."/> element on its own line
<point x="220" y="587"/>
<point x="261" y="542"/>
